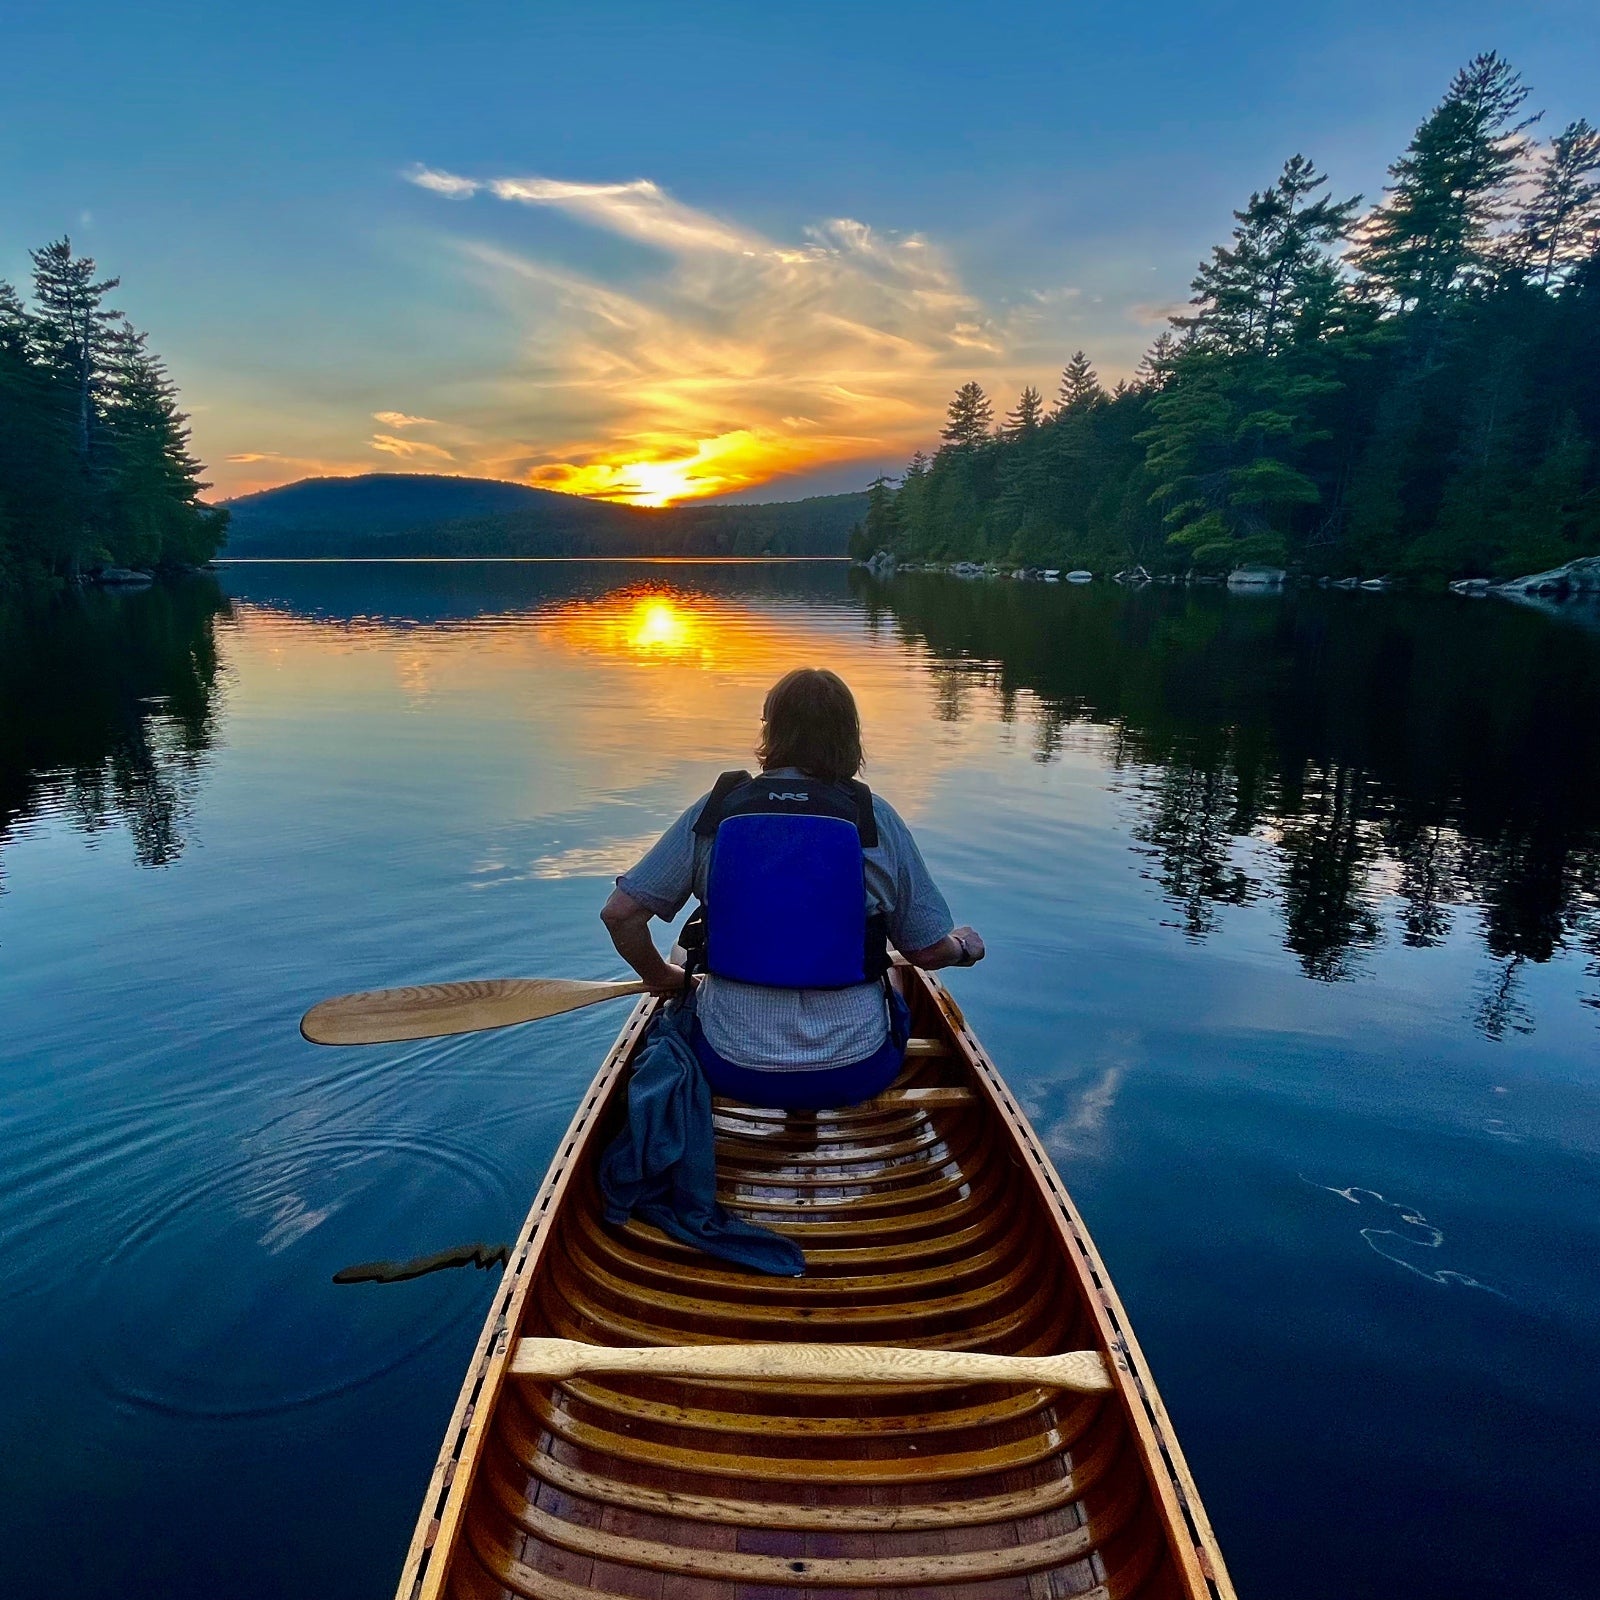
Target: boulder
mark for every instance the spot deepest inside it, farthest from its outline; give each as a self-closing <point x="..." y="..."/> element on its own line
<point x="1580" y="577"/>
<point x="1080" y="575"/>
<point x="1257" y="578"/>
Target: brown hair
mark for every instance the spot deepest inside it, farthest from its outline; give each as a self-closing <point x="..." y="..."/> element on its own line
<point x="810" y="721"/>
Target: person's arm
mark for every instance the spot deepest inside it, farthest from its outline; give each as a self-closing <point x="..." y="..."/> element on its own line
<point x="917" y="911"/>
<point x="628" y="923"/>
<point x="962" y="947"/>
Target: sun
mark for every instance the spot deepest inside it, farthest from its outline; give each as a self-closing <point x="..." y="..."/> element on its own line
<point x="661" y="483"/>
<point x="666" y="476"/>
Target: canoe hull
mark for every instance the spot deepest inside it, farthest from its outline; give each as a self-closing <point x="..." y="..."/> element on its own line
<point x="931" y="1218"/>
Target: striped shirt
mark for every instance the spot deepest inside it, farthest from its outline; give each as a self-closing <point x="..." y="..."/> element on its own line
<point x="781" y="1030"/>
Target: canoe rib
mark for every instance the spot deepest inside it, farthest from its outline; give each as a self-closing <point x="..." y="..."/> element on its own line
<point x="934" y="1221"/>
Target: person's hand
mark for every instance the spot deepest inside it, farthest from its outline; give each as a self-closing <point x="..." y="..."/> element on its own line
<point x="673" y="978"/>
<point x="971" y="942"/>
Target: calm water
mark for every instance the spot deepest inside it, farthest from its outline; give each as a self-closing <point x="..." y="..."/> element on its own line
<point x="1294" y="913"/>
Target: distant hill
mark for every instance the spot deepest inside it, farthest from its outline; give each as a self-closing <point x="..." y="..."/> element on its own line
<point x="404" y="514"/>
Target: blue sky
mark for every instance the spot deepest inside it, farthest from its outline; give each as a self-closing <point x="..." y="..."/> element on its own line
<point x="666" y="247"/>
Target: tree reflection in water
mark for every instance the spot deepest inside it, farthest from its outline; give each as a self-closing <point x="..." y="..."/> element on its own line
<point x="109" y="711"/>
<point x="1369" y="765"/>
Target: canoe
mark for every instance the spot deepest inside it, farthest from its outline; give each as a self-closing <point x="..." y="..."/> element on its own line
<point x="931" y="1219"/>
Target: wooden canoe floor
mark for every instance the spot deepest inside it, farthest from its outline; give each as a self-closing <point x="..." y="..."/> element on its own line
<point x="933" y="1220"/>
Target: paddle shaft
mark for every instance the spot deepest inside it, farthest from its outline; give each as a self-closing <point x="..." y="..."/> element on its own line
<point x="432" y="1010"/>
<point x="1083" y="1370"/>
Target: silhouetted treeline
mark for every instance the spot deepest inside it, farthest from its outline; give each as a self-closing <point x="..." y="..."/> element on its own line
<point x="1413" y="390"/>
<point x="95" y="467"/>
<point x="1374" y="770"/>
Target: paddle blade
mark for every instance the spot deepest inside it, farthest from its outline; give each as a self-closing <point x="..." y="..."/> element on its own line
<point x="430" y="1010"/>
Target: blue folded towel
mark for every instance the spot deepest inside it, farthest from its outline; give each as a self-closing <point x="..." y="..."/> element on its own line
<point x="662" y="1167"/>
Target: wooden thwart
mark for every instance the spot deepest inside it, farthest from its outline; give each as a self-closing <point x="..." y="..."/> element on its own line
<point x="1082" y="1370"/>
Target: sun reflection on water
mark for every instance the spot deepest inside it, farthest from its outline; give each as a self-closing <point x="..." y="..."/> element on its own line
<point x="659" y="627"/>
<point x="650" y="625"/>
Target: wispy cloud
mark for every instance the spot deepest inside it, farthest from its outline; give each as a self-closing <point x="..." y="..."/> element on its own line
<point x="398" y="419"/>
<point x="451" y="187"/>
<point x="736" y="359"/>
<point x="409" y="449"/>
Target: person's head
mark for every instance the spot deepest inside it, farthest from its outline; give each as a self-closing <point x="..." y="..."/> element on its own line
<point x="810" y="721"/>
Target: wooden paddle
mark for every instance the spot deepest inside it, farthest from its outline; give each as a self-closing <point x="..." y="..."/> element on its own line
<point x="431" y="1010"/>
<point x="1084" y="1370"/>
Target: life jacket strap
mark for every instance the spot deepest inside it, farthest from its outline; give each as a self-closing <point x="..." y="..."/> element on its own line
<point x="715" y="808"/>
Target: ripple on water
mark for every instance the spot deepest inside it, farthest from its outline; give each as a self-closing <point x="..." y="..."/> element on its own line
<point x="217" y="1299"/>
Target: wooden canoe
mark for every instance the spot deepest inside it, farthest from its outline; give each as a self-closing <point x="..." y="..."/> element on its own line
<point x="931" y="1218"/>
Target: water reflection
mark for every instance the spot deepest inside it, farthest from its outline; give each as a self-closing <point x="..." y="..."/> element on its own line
<point x="652" y="623"/>
<point x="109" y="705"/>
<point x="1168" y="810"/>
<point x="1370" y="769"/>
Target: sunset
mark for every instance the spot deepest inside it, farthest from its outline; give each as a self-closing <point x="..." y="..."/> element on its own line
<point x="665" y="281"/>
<point x="800" y="800"/>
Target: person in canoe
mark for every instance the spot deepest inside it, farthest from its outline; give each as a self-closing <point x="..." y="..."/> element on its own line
<point x="804" y="878"/>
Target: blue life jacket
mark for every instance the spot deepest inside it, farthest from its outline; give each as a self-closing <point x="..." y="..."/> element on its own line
<point x="786" y="898"/>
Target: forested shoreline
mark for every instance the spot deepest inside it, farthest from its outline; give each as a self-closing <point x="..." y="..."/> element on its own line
<point x="1412" y="390"/>
<point x="95" y="467"/>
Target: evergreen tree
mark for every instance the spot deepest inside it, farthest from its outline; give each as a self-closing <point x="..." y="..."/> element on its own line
<point x="971" y="418"/>
<point x="95" y="465"/>
<point x="1561" y="225"/>
<point x="1434" y="232"/>
<point x="14" y="323"/>
<point x="1028" y="415"/>
<point x="1080" y="387"/>
<point x="1158" y="362"/>
<point x="155" y="498"/>
<point x="1277" y="280"/>
<point x="882" y="525"/>
<point x="73" y="328"/>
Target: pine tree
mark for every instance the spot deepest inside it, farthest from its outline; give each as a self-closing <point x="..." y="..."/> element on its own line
<point x="1561" y="225"/>
<point x="42" y="505"/>
<point x="155" y="482"/>
<point x="1277" y="278"/>
<point x="971" y="417"/>
<point x="1028" y="415"/>
<point x="1080" y="387"/>
<point x="73" y="328"/>
<point x="1434" y="233"/>
<point x="15" y="322"/>
<point x="1156" y="365"/>
<point x="882" y="526"/>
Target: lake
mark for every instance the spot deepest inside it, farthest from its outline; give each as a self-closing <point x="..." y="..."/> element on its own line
<point x="1293" y="909"/>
